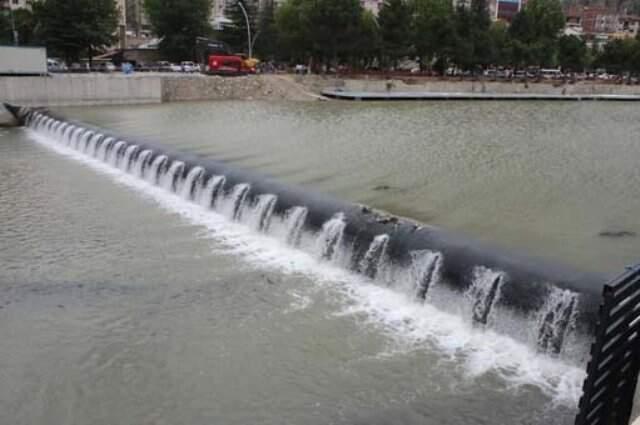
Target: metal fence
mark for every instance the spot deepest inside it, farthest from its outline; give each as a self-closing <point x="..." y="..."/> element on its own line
<point x="612" y="372"/>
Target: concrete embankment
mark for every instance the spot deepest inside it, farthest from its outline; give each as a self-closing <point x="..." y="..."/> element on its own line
<point x="432" y="85"/>
<point x="116" y="89"/>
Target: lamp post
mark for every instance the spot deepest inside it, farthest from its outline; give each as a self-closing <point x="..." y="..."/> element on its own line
<point x="246" y="18"/>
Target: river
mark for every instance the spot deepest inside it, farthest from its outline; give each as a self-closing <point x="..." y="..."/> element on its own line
<point x="121" y="303"/>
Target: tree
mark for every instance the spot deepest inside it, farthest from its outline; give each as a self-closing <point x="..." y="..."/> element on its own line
<point x="535" y="31"/>
<point x="235" y="33"/>
<point x="572" y="53"/>
<point x="178" y="22"/>
<point x="501" y="47"/>
<point x="332" y="27"/>
<point x="266" y="37"/>
<point x="292" y="35"/>
<point x="71" y="28"/>
<point x="369" y="40"/>
<point x="431" y="29"/>
<point x="395" y="20"/>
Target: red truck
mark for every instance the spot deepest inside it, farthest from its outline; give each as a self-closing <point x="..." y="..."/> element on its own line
<point x="216" y="58"/>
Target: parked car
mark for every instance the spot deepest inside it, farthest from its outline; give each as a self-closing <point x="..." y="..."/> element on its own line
<point x="174" y="67"/>
<point x="106" y="67"/>
<point x="55" y="65"/>
<point x="188" y="66"/>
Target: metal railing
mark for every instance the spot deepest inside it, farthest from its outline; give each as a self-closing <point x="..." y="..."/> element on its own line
<point x="612" y="372"/>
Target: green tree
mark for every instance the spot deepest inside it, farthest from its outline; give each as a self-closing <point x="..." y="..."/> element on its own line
<point x="292" y="35"/>
<point x="332" y="27"/>
<point x="395" y="18"/>
<point x="266" y="37"/>
<point x="431" y="29"/>
<point x="72" y="28"/>
<point x="535" y="31"/>
<point x="501" y="47"/>
<point x="178" y="22"/>
<point x="25" y="25"/>
<point x="619" y="56"/>
<point x="235" y="33"/>
<point x="572" y="53"/>
<point x="462" y="50"/>
<point x="369" y="44"/>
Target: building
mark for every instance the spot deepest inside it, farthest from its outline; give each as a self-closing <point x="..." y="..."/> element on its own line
<point x="505" y="10"/>
<point x="372" y="5"/>
<point x="15" y="4"/>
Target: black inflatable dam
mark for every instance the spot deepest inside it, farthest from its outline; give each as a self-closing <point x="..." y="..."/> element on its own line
<point x="555" y="301"/>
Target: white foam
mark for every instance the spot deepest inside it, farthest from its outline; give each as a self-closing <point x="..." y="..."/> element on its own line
<point x="411" y="325"/>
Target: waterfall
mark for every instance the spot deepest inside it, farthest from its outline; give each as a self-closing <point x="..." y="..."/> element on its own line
<point x="425" y="271"/>
<point x="114" y="153"/>
<point x="294" y="224"/>
<point x="83" y="141"/>
<point x="93" y="143"/>
<point x="484" y="292"/>
<point x="375" y="256"/>
<point x="556" y="319"/>
<point x="169" y="180"/>
<point x="237" y="198"/>
<point x="141" y="162"/>
<point x="104" y="148"/>
<point x="126" y="158"/>
<point x="211" y="191"/>
<point x="152" y="175"/>
<point x="263" y="210"/>
<point x="188" y="187"/>
<point x="331" y="237"/>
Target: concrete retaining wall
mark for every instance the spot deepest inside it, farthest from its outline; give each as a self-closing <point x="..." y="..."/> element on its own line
<point x="580" y="88"/>
<point x="68" y="90"/>
<point x="116" y="89"/>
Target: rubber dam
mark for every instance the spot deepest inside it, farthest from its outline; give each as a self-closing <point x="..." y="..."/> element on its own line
<point x="546" y="305"/>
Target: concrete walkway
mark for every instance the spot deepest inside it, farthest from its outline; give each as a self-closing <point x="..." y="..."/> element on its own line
<point x="417" y="95"/>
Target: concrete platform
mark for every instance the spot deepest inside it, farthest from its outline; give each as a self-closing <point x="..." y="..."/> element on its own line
<point x="406" y="96"/>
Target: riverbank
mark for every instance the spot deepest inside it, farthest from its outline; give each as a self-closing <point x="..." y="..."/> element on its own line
<point x="118" y="89"/>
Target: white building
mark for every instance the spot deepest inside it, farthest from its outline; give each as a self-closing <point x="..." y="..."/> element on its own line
<point x="372" y="5"/>
<point x="15" y="4"/>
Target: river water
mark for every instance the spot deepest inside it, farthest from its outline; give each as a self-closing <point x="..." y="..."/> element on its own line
<point x="121" y="303"/>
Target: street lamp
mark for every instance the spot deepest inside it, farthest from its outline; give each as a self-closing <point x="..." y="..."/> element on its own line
<point x="246" y="18"/>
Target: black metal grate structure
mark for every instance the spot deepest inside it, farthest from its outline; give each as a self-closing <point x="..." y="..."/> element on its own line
<point x="612" y="372"/>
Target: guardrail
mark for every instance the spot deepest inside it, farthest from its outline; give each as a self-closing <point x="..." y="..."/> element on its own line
<point x="612" y="372"/>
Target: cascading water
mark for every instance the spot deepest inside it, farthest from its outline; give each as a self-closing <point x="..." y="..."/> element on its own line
<point x="330" y="238"/>
<point x="126" y="158"/>
<point x="294" y="224"/>
<point x="169" y="180"/>
<point x="152" y="175"/>
<point x="419" y="276"/>
<point x="263" y="210"/>
<point x="103" y="151"/>
<point x="141" y="163"/>
<point x="556" y="320"/>
<point x="484" y="293"/>
<point x="237" y="199"/>
<point x="187" y="191"/>
<point x="375" y="256"/>
<point x="425" y="271"/>
<point x="115" y="152"/>
<point x="211" y="191"/>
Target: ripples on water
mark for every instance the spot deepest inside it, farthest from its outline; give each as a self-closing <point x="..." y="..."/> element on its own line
<point x="175" y="314"/>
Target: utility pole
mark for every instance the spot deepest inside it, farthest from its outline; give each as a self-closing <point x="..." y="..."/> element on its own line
<point x="246" y="18"/>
